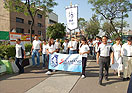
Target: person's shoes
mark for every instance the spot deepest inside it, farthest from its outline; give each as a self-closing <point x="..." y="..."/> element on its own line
<point x="54" y="70"/>
<point x="48" y="73"/>
<point x="83" y="76"/>
<point x="106" y="78"/>
<point x="125" y="79"/>
<point x="100" y="83"/>
<point x="128" y="78"/>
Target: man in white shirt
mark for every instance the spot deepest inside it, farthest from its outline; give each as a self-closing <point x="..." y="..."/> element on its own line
<point x="36" y="49"/>
<point x="65" y="46"/>
<point x="20" y="55"/>
<point x="103" y="58"/>
<point x="72" y="45"/>
<point x="126" y="52"/>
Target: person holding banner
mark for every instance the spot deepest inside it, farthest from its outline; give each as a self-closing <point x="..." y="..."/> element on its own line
<point x="51" y="48"/>
<point x="72" y="45"/>
<point x="84" y="50"/>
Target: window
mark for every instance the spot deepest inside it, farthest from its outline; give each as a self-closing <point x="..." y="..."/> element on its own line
<point x="32" y="31"/>
<point x="19" y="30"/>
<point x="39" y="32"/>
<point x="52" y="22"/>
<point x="29" y="22"/>
<point x="39" y="16"/>
<point x="39" y="25"/>
<point x="20" y="20"/>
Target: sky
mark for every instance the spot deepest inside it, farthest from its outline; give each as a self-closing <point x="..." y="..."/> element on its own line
<point x="84" y="11"/>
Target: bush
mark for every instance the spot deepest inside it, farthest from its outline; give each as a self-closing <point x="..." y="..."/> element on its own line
<point x="8" y="51"/>
<point x="28" y="47"/>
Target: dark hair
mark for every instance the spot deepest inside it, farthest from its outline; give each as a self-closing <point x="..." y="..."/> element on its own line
<point x="18" y="39"/>
<point x="118" y="38"/>
<point x="129" y="38"/>
<point x="36" y="35"/>
<point x="105" y="37"/>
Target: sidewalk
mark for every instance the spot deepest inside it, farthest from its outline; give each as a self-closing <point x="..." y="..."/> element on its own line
<point x="35" y="81"/>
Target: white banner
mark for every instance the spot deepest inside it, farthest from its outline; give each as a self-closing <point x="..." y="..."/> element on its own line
<point x="72" y="17"/>
<point x="15" y="36"/>
<point x="66" y="62"/>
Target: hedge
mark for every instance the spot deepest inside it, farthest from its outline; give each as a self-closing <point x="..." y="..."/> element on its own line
<point x="8" y="51"/>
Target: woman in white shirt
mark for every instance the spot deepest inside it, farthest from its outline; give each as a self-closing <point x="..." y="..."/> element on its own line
<point x="44" y="46"/>
<point x="84" y="50"/>
<point x="51" y="48"/>
<point x="117" y="66"/>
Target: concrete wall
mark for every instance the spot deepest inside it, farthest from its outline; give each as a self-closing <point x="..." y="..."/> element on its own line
<point x="4" y="18"/>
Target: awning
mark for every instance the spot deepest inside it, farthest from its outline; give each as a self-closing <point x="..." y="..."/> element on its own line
<point x="4" y="35"/>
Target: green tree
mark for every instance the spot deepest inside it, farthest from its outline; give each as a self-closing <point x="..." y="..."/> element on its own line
<point x="93" y="27"/>
<point x="31" y="8"/>
<point x="112" y="10"/>
<point x="109" y="30"/>
<point x="56" y="31"/>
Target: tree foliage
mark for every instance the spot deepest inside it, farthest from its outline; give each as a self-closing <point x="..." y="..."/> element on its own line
<point x="111" y="10"/>
<point x="31" y="8"/>
<point x="93" y="26"/>
<point x="56" y="31"/>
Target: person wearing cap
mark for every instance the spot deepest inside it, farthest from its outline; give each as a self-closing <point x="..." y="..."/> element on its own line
<point x="35" y="50"/>
<point x="103" y="58"/>
<point x="72" y="45"/>
<point x="84" y="50"/>
<point x="126" y="52"/>
<point x="20" y="55"/>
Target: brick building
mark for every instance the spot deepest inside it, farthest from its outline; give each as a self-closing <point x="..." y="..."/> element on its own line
<point x="21" y="23"/>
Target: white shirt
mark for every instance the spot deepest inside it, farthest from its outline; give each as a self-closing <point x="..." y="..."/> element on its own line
<point x="44" y="49"/>
<point x="72" y="44"/>
<point x="51" y="48"/>
<point x="36" y="44"/>
<point x="105" y="50"/>
<point x="126" y="50"/>
<point x="65" y="47"/>
<point x="57" y="45"/>
<point x="117" y="51"/>
<point x="84" y="48"/>
<point x="96" y="45"/>
<point x="19" y="48"/>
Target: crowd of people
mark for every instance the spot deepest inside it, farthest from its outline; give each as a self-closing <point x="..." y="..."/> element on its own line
<point x="117" y="56"/>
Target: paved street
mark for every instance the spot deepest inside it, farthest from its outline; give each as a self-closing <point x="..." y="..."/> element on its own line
<point x="35" y="81"/>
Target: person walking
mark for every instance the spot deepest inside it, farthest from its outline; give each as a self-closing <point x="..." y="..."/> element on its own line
<point x="126" y="52"/>
<point x="51" y="48"/>
<point x="44" y="53"/>
<point x="117" y="66"/>
<point x="35" y="50"/>
<point x="84" y="50"/>
<point x="20" y="55"/>
<point x="72" y="45"/>
<point x="103" y="58"/>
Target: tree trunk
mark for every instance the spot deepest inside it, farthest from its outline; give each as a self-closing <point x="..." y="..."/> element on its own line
<point x="114" y="28"/>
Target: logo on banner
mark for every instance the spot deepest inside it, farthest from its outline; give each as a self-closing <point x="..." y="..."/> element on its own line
<point x="54" y="61"/>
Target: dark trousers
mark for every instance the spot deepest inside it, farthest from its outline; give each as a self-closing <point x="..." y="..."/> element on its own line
<point x="84" y="61"/>
<point x="48" y="64"/>
<point x="130" y="86"/>
<point x="104" y="62"/>
<point x="18" y="62"/>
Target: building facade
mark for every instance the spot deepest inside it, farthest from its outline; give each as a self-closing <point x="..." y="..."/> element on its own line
<point x="10" y="21"/>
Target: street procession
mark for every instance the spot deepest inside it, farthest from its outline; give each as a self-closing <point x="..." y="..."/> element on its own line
<point x="66" y="46"/>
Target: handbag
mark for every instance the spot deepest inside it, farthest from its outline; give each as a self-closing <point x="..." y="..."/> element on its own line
<point x="25" y="62"/>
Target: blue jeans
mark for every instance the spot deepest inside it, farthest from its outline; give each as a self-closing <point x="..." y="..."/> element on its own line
<point x="72" y="52"/>
<point x="44" y="59"/>
<point x="35" y="53"/>
<point x="18" y="62"/>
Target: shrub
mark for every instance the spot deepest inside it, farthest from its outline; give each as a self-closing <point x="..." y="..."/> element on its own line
<point x="28" y="47"/>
